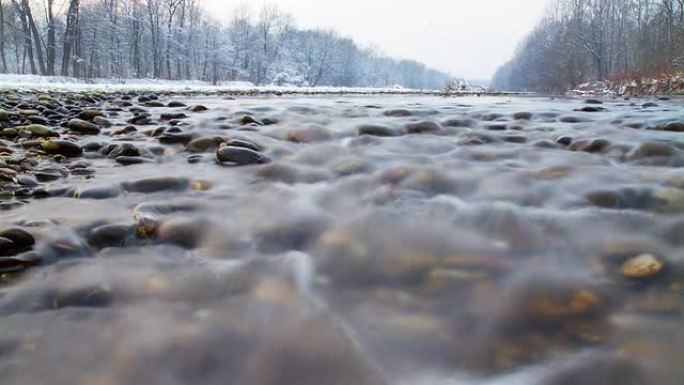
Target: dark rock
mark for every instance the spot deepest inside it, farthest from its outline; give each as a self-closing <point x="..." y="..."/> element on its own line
<point x="205" y="144"/>
<point x="172" y="116"/>
<point x="245" y="143"/>
<point x="98" y="192"/>
<point x="591" y="146"/>
<point x="7" y="247"/>
<point x="240" y="156"/>
<point x="496" y="127"/>
<point x="125" y="131"/>
<point x="176" y="104"/>
<point x="154" y="104"/>
<point x="593" y="101"/>
<point x="624" y="198"/>
<point x="175" y="138"/>
<point x="20" y="262"/>
<point x="377" y="130"/>
<point x="425" y="127"/>
<point x="152" y="185"/>
<point x="198" y="108"/>
<point x="246" y="120"/>
<point x="131" y="160"/>
<point x="102" y="122"/>
<point x="398" y="113"/>
<point x="62" y="147"/>
<point x="522" y="116"/>
<point x="38" y="120"/>
<point x="21" y="238"/>
<point x="564" y="140"/>
<point x="140" y="120"/>
<point x="672" y="127"/>
<point x="123" y="149"/>
<point x="83" y="127"/>
<point x="590" y="109"/>
<point x="650" y="149"/>
<point x="111" y="236"/>
<point x="90" y="114"/>
<point x="459" y="123"/>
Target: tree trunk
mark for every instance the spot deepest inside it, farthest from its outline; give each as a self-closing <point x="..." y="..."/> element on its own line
<point x="70" y="36"/>
<point x="28" y="43"/>
<point x="50" y="39"/>
<point x="36" y="36"/>
<point x="2" y="37"/>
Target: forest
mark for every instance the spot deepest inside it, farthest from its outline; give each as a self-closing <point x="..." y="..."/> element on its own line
<point x="586" y="40"/>
<point x="178" y="40"/>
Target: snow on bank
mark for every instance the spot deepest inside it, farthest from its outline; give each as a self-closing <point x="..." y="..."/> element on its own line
<point x="36" y="83"/>
<point x="54" y="83"/>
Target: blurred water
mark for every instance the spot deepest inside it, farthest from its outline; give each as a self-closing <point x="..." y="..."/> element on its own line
<point x="483" y="241"/>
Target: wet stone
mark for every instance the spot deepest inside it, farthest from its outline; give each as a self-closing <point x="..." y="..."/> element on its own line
<point x="590" y="109"/>
<point x="425" y="127"/>
<point x="172" y="116"/>
<point x="97" y="192"/>
<point x="62" y="147"/>
<point x="176" y="104"/>
<point x="672" y="127"/>
<point x="591" y="146"/>
<point x="140" y="120"/>
<point x="123" y="149"/>
<point x="19" y="263"/>
<point x="21" y="238"/>
<point x="83" y="127"/>
<point x="132" y="160"/>
<point x="198" y="108"/>
<point x="111" y="236"/>
<point x="37" y="130"/>
<point x="176" y="138"/>
<point x="102" y="122"/>
<point x="240" y="156"/>
<point x="152" y="185"/>
<point x="7" y="247"/>
<point x="642" y="266"/>
<point x="247" y="120"/>
<point x="377" y="130"/>
<point x="245" y="143"/>
<point x="90" y="114"/>
<point x="523" y="116"/>
<point x="205" y="144"/>
<point x="399" y="113"/>
<point x="564" y="140"/>
<point x="125" y="131"/>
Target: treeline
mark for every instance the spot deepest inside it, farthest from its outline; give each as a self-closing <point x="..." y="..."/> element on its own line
<point x="585" y="40"/>
<point x="177" y="40"/>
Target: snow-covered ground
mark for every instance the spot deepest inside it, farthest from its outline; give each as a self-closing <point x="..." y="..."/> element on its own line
<point x="55" y="83"/>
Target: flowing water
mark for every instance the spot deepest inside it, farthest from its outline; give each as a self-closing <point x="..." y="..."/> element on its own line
<point x="345" y="240"/>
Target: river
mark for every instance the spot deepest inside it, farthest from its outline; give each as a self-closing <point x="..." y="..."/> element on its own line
<point x="340" y="240"/>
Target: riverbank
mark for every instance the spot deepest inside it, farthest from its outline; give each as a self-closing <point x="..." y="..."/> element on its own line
<point x="37" y="84"/>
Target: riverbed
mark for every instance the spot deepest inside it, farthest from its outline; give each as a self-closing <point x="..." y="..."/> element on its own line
<point x="170" y="239"/>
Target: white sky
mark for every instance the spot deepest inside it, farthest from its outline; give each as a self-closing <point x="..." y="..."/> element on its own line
<point x="467" y="38"/>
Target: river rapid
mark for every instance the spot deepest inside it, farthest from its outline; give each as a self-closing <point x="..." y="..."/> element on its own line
<point x="340" y="240"/>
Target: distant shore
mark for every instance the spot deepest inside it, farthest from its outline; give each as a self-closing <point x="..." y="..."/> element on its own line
<point x="34" y="83"/>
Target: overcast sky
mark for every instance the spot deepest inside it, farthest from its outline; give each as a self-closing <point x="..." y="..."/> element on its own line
<point x="468" y="38"/>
